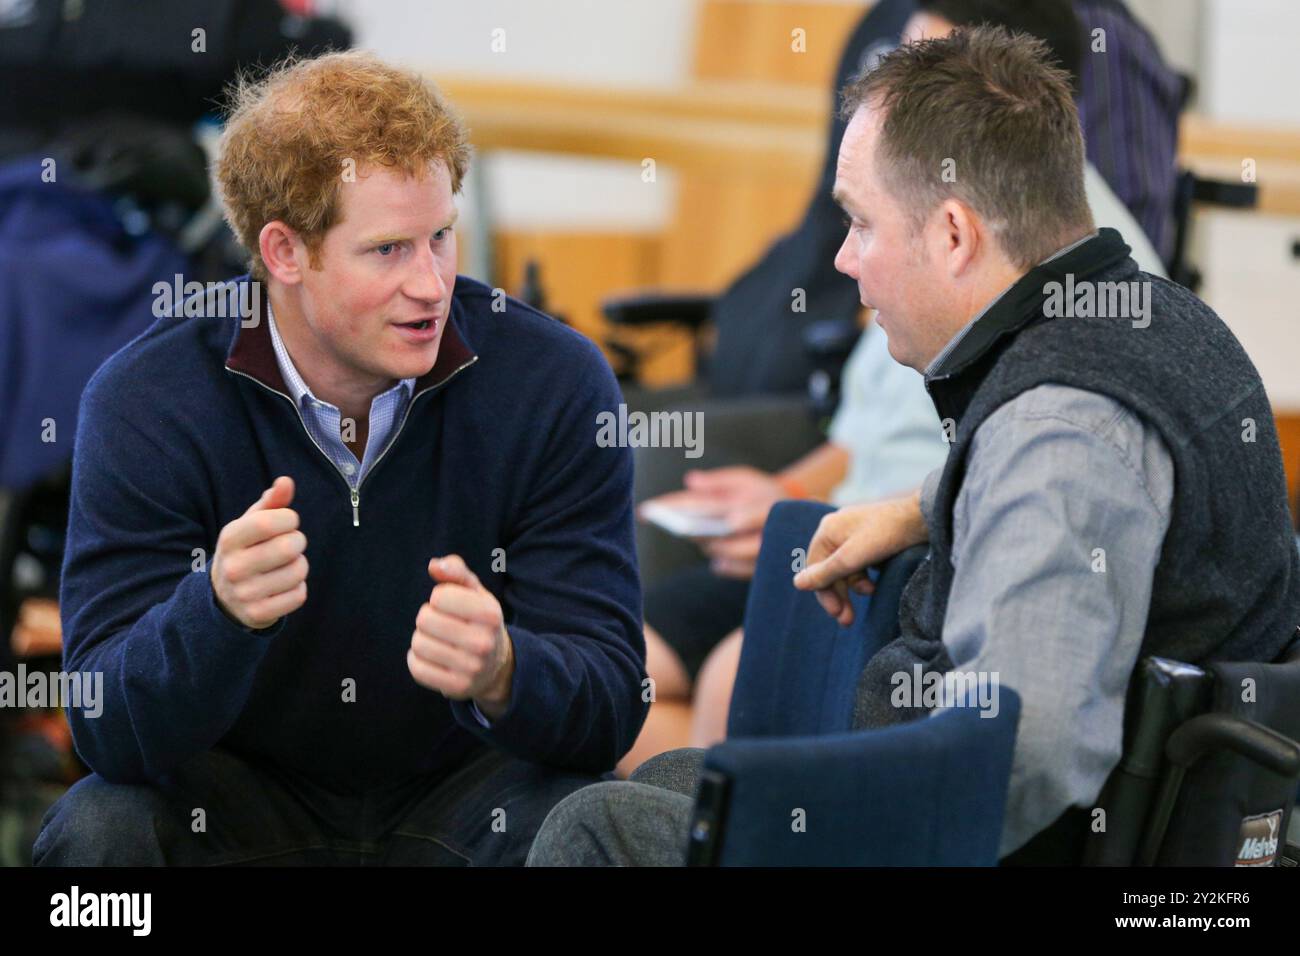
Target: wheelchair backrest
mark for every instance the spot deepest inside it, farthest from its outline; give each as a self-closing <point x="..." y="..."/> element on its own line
<point x="1208" y="776"/>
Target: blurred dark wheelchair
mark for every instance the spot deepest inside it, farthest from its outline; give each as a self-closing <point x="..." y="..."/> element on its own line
<point x="104" y="194"/>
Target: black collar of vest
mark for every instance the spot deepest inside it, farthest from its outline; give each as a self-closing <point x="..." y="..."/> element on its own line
<point x="1023" y="302"/>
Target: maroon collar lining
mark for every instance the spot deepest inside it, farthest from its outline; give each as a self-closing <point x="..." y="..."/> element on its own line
<point x="252" y="354"/>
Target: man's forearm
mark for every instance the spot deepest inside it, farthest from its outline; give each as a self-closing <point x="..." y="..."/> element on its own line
<point x="575" y="699"/>
<point x="902" y="525"/>
<point x="817" y="473"/>
<point x="912" y="524"/>
<point x="174" y="681"/>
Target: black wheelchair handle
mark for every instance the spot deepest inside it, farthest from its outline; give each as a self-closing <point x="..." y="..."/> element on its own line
<point x="653" y="308"/>
<point x="1211" y="732"/>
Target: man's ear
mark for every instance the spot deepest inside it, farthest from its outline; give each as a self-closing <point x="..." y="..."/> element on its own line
<point x="962" y="234"/>
<point x="282" y="251"/>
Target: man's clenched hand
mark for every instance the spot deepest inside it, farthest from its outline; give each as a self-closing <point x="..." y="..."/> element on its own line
<point x="460" y="646"/>
<point x="259" y="573"/>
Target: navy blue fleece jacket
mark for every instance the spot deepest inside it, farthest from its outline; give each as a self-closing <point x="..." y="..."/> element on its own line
<point x="184" y="428"/>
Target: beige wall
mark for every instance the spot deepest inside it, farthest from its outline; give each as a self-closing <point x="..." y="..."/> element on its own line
<point x="1244" y="54"/>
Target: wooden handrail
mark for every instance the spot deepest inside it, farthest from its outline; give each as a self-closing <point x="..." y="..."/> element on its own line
<point x="719" y="130"/>
<point x="714" y="100"/>
<point x="775" y="130"/>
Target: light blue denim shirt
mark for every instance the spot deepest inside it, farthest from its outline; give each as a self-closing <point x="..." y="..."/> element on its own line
<point x="1057" y="530"/>
<point x="886" y="422"/>
<point x="325" y="426"/>
<point x="324" y="421"/>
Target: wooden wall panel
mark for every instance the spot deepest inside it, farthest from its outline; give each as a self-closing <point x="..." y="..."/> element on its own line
<point x="579" y="270"/>
<point x="747" y="40"/>
<point x="721" y="225"/>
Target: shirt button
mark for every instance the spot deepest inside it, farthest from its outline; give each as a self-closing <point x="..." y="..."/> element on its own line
<point x="349" y="469"/>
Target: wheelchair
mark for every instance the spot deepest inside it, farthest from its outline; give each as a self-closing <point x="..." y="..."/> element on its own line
<point x="1208" y="775"/>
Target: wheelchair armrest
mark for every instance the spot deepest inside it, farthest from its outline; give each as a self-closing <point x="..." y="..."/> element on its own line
<point x="1217" y="731"/>
<point x="691" y="310"/>
<point x="1206" y="734"/>
<point x="1218" y="192"/>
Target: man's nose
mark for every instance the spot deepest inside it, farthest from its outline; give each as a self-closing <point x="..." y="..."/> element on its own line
<point x="425" y="281"/>
<point x="845" y="261"/>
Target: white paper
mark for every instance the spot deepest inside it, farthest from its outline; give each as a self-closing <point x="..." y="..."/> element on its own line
<point x="685" y="523"/>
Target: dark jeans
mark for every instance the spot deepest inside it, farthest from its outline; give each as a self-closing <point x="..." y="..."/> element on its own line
<point x="484" y="813"/>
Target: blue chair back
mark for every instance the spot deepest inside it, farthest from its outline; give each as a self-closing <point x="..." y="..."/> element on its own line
<point x="799" y="669"/>
<point x="794" y="785"/>
<point x="930" y="792"/>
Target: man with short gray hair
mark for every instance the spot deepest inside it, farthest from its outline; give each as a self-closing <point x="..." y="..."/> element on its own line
<point x="1114" y="484"/>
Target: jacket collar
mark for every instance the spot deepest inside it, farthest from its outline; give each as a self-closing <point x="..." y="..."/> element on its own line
<point x="1023" y="301"/>
<point x="252" y="353"/>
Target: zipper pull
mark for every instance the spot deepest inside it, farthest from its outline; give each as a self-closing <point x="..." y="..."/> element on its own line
<point x="356" y="514"/>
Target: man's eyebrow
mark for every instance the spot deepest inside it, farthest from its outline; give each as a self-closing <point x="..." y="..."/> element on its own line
<point x="402" y="237"/>
<point x="840" y="199"/>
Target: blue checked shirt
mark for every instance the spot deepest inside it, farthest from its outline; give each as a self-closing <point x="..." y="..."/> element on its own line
<point x="324" y="421"/>
<point x="325" y="425"/>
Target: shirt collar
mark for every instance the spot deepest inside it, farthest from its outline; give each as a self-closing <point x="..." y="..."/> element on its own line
<point x="956" y="340"/>
<point x="289" y="372"/>
<point x="251" y="354"/>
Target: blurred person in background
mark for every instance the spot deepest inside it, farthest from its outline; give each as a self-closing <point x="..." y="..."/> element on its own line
<point x="104" y="191"/>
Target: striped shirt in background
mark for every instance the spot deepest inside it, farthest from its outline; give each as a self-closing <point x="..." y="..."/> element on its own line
<point x="1129" y="105"/>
